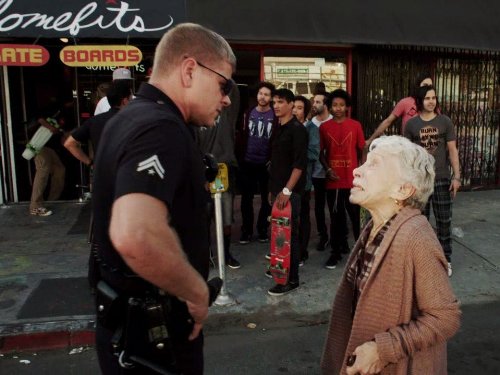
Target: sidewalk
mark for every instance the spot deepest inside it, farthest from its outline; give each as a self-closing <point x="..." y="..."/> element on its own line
<point x="45" y="303"/>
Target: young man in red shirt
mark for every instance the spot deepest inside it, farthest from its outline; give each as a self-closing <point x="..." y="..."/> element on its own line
<point x="342" y="143"/>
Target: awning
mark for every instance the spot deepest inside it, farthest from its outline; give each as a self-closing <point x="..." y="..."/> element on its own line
<point x="436" y="23"/>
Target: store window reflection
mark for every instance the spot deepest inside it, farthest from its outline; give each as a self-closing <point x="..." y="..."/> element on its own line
<point x="301" y="74"/>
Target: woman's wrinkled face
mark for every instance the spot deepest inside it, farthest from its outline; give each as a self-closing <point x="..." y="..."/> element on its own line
<point x="376" y="180"/>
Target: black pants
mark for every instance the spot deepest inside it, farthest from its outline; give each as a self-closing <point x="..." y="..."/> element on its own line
<point x="252" y="177"/>
<point x="338" y="205"/>
<point x="188" y="354"/>
<point x="442" y="208"/>
<point x="319" y="206"/>
<point x="304" y="224"/>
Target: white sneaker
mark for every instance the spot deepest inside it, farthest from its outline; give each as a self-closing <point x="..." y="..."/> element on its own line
<point x="40" y="211"/>
<point x="450" y="270"/>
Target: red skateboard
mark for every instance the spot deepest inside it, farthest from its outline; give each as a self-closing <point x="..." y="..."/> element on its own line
<point x="281" y="233"/>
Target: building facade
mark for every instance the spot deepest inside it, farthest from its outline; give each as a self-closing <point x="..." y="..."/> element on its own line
<point x="374" y="51"/>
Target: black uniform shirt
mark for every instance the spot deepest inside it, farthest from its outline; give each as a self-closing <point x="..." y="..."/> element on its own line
<point x="93" y="127"/>
<point x="288" y="151"/>
<point x="147" y="148"/>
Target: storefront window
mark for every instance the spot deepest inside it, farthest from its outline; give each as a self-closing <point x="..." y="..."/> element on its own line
<point x="301" y="74"/>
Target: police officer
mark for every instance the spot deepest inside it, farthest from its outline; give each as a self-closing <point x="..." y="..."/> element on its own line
<point x="149" y="200"/>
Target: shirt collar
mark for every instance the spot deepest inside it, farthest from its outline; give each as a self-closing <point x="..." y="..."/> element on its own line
<point x="153" y="93"/>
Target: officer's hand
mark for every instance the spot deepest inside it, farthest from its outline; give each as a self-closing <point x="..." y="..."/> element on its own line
<point x="199" y="312"/>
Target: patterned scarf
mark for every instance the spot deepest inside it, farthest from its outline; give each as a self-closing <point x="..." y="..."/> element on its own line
<point x="361" y="267"/>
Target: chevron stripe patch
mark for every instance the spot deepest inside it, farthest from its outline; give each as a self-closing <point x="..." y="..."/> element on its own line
<point x="153" y="166"/>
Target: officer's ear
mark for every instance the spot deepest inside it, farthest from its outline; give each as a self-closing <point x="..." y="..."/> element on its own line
<point x="188" y="67"/>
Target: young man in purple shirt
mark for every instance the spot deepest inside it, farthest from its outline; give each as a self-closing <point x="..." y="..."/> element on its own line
<point x="258" y="126"/>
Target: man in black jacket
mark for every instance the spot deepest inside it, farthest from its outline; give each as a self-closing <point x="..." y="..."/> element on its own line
<point x="287" y="176"/>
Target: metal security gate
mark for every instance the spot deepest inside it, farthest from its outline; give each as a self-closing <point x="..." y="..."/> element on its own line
<point x="468" y="90"/>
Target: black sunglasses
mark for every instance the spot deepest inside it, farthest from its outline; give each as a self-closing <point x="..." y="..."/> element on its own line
<point x="228" y="84"/>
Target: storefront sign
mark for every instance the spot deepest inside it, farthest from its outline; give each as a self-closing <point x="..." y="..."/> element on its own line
<point x="292" y="70"/>
<point x="23" y="55"/>
<point x="100" y="55"/>
<point x="84" y="18"/>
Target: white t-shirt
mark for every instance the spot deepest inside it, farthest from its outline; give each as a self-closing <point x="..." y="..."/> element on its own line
<point x="102" y="106"/>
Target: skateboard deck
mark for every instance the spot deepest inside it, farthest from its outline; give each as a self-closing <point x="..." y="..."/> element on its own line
<point x="281" y="233"/>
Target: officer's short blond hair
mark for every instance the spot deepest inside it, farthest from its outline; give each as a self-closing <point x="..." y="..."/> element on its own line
<point x="190" y="40"/>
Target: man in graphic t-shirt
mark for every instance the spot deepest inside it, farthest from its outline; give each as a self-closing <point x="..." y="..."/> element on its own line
<point x="342" y="142"/>
<point x="435" y="132"/>
<point x="253" y="157"/>
<point x="405" y="109"/>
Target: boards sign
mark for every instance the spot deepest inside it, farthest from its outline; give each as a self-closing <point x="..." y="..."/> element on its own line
<point x="97" y="55"/>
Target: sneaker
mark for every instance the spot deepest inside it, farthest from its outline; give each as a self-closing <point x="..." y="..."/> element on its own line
<point x="322" y="244"/>
<point x="450" y="270"/>
<point x="268" y="256"/>
<point x="269" y="274"/>
<point x="332" y="262"/>
<point x="301" y="263"/>
<point x="263" y="238"/>
<point x="279" y="290"/>
<point x="40" y="211"/>
<point x="232" y="263"/>
<point x="245" y="238"/>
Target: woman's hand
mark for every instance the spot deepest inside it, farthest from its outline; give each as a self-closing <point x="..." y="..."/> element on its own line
<point x="367" y="360"/>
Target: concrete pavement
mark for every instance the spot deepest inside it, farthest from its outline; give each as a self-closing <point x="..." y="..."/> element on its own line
<point x="44" y="302"/>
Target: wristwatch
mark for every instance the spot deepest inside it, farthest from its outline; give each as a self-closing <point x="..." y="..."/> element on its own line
<point x="285" y="191"/>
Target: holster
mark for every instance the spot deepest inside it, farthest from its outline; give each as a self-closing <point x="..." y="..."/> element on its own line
<point x="110" y="306"/>
<point x="142" y="325"/>
<point x="139" y="324"/>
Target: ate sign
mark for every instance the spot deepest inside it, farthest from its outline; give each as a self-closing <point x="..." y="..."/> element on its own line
<point x="23" y="55"/>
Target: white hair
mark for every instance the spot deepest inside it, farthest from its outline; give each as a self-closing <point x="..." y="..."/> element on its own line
<point x="417" y="166"/>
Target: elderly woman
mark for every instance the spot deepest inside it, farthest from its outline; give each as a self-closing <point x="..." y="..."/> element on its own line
<point x="394" y="309"/>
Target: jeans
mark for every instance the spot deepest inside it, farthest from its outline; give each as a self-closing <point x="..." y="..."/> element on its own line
<point x="295" y="243"/>
<point x="304" y="224"/>
<point x="319" y="206"/>
<point x="251" y="177"/>
<point x="338" y="204"/>
<point x="47" y="165"/>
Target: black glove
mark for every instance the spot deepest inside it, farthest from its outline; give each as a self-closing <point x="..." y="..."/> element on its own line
<point x="211" y="167"/>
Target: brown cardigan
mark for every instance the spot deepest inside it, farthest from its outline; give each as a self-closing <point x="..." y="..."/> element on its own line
<point x="407" y="305"/>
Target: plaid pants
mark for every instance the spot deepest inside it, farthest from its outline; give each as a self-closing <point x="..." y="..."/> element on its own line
<point x="441" y="206"/>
